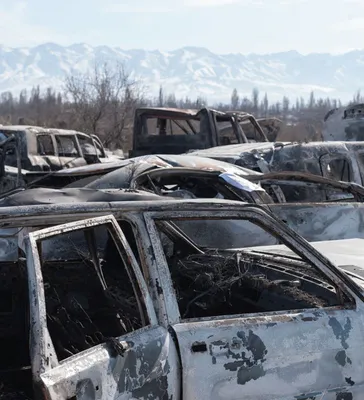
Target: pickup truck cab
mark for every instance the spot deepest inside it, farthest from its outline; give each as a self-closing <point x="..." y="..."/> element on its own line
<point x="176" y="305"/>
<point x="175" y="131"/>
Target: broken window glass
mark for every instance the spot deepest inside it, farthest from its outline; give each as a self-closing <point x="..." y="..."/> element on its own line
<point x="233" y="266"/>
<point x="45" y="145"/>
<point x="66" y="146"/>
<point x="338" y="169"/>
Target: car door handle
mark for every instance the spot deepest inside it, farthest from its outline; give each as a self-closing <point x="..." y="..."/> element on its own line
<point x="118" y="348"/>
<point x="199" y="347"/>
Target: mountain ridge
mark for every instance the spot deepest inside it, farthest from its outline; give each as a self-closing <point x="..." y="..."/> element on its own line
<point x="190" y="71"/>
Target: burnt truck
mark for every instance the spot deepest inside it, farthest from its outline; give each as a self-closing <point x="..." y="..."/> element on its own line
<point x="182" y="301"/>
<point x="175" y="131"/>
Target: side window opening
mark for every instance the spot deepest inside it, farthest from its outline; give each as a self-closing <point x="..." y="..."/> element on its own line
<point x="99" y="149"/>
<point x="79" y="315"/>
<point x="221" y="271"/>
<point x="87" y="145"/>
<point x="66" y="146"/>
<point x="338" y="169"/>
<point x="45" y="145"/>
<point x="170" y="126"/>
<point x="226" y="132"/>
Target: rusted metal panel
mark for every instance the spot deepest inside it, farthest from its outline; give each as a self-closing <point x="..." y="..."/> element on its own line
<point x="161" y="276"/>
<point x="148" y="369"/>
<point x="313" y="354"/>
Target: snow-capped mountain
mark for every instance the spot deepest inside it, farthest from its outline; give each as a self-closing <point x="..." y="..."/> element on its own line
<point x="191" y="71"/>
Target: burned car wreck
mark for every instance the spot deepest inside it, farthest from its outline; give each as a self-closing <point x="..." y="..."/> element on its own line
<point x="45" y="149"/>
<point x="341" y="161"/>
<point x="177" y="305"/>
<point x="188" y="176"/>
<point x="175" y="131"/>
<point x="191" y="176"/>
<point x="183" y="176"/>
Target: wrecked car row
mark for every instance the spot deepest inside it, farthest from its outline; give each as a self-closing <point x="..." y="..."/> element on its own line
<point x="191" y="291"/>
<point x="170" y="310"/>
<point x="191" y="176"/>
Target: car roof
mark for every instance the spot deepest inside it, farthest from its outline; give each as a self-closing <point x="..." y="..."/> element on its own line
<point x="39" y="129"/>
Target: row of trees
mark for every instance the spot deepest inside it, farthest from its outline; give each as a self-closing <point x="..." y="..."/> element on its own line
<point x="103" y="102"/>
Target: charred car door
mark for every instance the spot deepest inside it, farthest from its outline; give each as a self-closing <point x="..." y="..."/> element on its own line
<point x="94" y="331"/>
<point x="255" y="325"/>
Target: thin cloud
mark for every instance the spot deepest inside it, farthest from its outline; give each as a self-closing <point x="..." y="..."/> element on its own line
<point x="168" y="6"/>
<point x="209" y="3"/>
<point x="127" y="8"/>
<point x="17" y="30"/>
<point x="292" y="2"/>
<point x="352" y="24"/>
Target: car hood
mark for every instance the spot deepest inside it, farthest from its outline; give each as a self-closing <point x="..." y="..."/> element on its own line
<point x="233" y="151"/>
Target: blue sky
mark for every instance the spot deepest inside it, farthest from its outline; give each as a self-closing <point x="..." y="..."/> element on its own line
<point x="223" y="26"/>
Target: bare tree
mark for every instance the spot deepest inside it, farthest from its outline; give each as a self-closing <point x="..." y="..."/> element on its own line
<point x="265" y="105"/>
<point x="103" y="102"/>
<point x="234" y="100"/>
<point x="161" y="97"/>
<point x="255" y="100"/>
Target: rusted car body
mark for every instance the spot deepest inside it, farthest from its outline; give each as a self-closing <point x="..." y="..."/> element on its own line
<point x="344" y="124"/>
<point x="44" y="149"/>
<point x="176" y="131"/>
<point x="225" y="322"/>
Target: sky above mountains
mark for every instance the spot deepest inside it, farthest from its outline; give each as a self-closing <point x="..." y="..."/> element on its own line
<point x="223" y="26"/>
